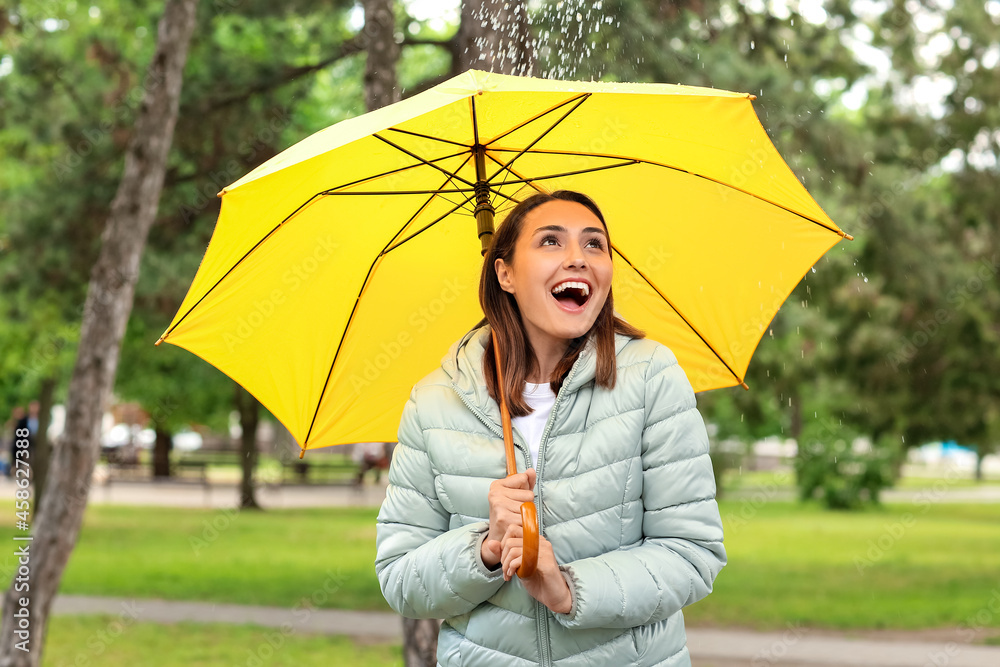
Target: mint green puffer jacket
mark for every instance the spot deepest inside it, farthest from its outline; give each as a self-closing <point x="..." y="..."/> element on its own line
<point x="624" y="491"/>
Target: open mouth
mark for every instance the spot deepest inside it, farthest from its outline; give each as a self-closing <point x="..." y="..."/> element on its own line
<point x="571" y="296"/>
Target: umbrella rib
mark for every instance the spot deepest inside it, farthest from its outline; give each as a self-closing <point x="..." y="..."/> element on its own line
<point x="679" y="314"/>
<point x="441" y="190"/>
<point x="528" y="181"/>
<point x="387" y="173"/>
<point x="395" y="192"/>
<point x="419" y="210"/>
<point x="431" y="224"/>
<point x="417" y="157"/>
<point x="306" y="203"/>
<point x="520" y="176"/>
<point x="238" y="262"/>
<point x="475" y="121"/>
<point x="537" y="116"/>
<point x="568" y="173"/>
<point x="350" y="319"/>
<point x="677" y="169"/>
<point x="475" y="132"/>
<point x="429" y="136"/>
<point x="580" y="100"/>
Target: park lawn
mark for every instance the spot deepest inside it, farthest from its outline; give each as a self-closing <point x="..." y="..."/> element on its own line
<point x="319" y="557"/>
<point x="900" y="566"/>
<point x="88" y="641"/>
<point x="745" y="481"/>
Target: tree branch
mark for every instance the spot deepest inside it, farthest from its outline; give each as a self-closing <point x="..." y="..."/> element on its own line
<point x="348" y="48"/>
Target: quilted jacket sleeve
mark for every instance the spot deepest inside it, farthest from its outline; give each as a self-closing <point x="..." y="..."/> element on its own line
<point x="681" y="552"/>
<point x="424" y="569"/>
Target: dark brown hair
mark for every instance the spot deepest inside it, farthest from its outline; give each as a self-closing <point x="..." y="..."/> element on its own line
<point x="503" y="314"/>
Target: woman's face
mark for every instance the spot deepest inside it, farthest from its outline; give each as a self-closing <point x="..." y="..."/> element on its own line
<point x="560" y="242"/>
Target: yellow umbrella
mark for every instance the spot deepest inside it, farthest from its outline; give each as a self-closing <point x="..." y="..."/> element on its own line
<point x="342" y="269"/>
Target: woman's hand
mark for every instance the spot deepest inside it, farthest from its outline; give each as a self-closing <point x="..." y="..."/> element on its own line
<point x="547" y="584"/>
<point x="506" y="496"/>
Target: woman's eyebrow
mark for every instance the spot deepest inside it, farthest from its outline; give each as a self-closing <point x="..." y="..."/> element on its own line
<point x="559" y="228"/>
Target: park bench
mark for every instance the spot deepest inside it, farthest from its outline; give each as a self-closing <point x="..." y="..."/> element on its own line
<point x="182" y="471"/>
<point x="338" y="471"/>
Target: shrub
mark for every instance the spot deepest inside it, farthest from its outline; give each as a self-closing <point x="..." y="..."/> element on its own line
<point x="840" y="470"/>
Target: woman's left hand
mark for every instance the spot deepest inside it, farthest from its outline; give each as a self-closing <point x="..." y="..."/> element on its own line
<point x="547" y="584"/>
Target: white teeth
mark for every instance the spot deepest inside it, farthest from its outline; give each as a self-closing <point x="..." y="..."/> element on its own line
<point x="582" y="286"/>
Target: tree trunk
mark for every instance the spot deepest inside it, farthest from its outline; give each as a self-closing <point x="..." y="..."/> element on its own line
<point x="161" y="453"/>
<point x="110" y="295"/>
<point x="795" y="419"/>
<point x="419" y="636"/>
<point x="494" y="35"/>
<point x="980" y="454"/>
<point x="249" y="409"/>
<point x="43" y="448"/>
<point x="420" y="642"/>
<point x="503" y="45"/>
<point x="382" y="54"/>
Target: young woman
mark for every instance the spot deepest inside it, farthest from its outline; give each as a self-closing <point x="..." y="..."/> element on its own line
<point x="616" y="460"/>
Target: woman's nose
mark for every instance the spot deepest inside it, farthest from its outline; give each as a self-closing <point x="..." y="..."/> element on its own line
<point x="574" y="256"/>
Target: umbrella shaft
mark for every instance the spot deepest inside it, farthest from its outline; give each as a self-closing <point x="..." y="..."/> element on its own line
<point x="484" y="209"/>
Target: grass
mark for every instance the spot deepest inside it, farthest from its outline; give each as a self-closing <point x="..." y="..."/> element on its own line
<point x="902" y="566"/>
<point x="784" y="480"/>
<point x="272" y="558"/>
<point x="85" y="641"/>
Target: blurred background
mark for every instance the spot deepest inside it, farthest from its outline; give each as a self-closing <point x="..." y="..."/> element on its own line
<point x="859" y="477"/>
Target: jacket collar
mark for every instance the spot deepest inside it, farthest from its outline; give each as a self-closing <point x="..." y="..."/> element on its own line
<point x="464" y="363"/>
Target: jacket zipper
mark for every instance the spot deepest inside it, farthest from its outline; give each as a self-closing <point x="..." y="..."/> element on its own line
<point x="483" y="418"/>
<point x="541" y="611"/>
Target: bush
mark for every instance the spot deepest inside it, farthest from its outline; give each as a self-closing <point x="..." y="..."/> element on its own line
<point x="726" y="455"/>
<point x="840" y="470"/>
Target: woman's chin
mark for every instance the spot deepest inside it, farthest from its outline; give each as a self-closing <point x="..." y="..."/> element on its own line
<point x="576" y="327"/>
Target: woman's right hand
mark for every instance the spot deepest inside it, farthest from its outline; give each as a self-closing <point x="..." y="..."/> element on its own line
<point x="506" y="497"/>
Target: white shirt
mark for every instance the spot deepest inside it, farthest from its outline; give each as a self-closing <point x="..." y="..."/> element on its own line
<point x="541" y="398"/>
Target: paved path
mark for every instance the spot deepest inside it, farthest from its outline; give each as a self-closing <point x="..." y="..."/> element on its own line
<point x="274" y="496"/>
<point x="796" y="647"/>
<point x="193" y="494"/>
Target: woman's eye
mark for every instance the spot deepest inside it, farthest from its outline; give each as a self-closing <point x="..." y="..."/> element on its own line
<point x="599" y="243"/>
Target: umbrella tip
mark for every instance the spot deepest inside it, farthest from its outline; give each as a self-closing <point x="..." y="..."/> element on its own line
<point x="751" y="96"/>
<point x="848" y="237"/>
<point x="157" y="343"/>
<point x="302" y="453"/>
<point x="744" y="385"/>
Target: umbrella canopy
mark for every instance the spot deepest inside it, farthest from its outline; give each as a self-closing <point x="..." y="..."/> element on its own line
<point x="341" y="270"/>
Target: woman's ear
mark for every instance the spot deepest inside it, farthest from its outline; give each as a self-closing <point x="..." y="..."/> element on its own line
<point x="503" y="275"/>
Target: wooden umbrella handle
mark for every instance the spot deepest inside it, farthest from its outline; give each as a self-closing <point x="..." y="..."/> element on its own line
<point x="529" y="514"/>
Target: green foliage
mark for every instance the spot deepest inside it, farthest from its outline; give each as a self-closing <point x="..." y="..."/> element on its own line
<point x="840" y="475"/>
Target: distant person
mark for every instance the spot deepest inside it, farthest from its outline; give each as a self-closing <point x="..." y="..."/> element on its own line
<point x="370" y="456"/>
<point x="33" y="422"/>
<point x="17" y="420"/>
<point x="27" y="422"/>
